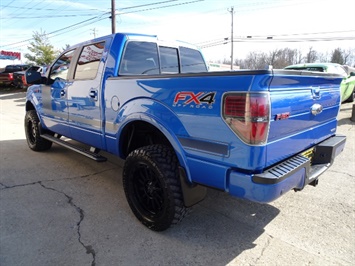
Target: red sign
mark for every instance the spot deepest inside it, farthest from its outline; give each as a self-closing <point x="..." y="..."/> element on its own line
<point x="10" y="55"/>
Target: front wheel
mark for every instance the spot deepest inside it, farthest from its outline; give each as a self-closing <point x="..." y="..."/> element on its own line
<point x="352" y="97"/>
<point x="34" y="140"/>
<point x="152" y="187"/>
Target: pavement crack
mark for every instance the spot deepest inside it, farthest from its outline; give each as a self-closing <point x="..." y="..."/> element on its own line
<point x="89" y="249"/>
<point x="4" y="186"/>
<point x="341" y="172"/>
<point x="267" y="244"/>
<point x="20" y="185"/>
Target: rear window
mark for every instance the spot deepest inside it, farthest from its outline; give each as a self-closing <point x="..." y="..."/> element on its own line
<point x="15" y="68"/>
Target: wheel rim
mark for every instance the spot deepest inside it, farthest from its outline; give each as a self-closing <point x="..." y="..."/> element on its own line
<point x="148" y="191"/>
<point x="31" y="130"/>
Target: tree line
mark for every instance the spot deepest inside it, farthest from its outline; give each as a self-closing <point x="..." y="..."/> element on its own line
<point x="43" y="53"/>
<point x="280" y="58"/>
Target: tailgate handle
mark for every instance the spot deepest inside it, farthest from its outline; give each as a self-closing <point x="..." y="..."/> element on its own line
<point x="316" y="92"/>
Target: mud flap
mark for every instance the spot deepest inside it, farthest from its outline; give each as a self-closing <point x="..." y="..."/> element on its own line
<point x="192" y="193"/>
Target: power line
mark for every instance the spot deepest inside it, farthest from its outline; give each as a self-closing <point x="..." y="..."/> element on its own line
<point x="102" y="17"/>
<point x="46" y="9"/>
<point x="290" y="40"/>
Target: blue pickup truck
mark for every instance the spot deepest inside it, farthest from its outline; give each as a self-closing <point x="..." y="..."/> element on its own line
<point x="181" y="129"/>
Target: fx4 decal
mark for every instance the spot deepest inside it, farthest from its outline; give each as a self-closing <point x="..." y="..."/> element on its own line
<point x="192" y="100"/>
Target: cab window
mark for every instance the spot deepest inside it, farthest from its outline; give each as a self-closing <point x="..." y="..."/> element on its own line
<point x="89" y="60"/>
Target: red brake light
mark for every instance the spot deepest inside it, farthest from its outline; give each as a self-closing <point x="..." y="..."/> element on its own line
<point x="247" y="114"/>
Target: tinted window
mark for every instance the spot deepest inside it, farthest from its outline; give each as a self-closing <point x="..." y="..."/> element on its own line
<point x="15" y="68"/>
<point x="61" y="66"/>
<point x="317" y="69"/>
<point x="191" y="61"/>
<point x="89" y="60"/>
<point x="140" y="58"/>
<point x="169" y="60"/>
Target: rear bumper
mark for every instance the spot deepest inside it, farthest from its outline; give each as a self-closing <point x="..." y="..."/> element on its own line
<point x="293" y="173"/>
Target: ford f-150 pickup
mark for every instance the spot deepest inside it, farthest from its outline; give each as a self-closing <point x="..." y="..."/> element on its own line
<point x="181" y="129"/>
<point x="6" y="77"/>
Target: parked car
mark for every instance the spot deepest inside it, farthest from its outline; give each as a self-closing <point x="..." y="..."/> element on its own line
<point x="19" y="78"/>
<point x="347" y="86"/>
<point x="6" y="77"/>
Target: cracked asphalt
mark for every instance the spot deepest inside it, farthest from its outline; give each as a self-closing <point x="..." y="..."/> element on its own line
<point x="60" y="208"/>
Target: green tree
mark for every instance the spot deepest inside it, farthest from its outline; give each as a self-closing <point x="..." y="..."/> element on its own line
<point x="42" y="52"/>
<point x="311" y="56"/>
<point x="337" y="56"/>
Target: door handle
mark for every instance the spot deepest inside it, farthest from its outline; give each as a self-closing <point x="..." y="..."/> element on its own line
<point x="93" y="94"/>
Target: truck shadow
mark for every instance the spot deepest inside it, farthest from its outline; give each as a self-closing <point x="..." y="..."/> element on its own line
<point x="223" y="227"/>
<point x="345" y="121"/>
<point x="216" y="231"/>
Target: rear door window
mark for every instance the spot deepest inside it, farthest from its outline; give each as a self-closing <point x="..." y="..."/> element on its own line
<point x="140" y="58"/>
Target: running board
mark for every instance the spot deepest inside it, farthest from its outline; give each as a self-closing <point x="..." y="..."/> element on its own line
<point x="92" y="155"/>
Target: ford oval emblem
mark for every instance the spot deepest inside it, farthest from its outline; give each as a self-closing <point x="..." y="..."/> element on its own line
<point x="316" y="93"/>
<point x="316" y="109"/>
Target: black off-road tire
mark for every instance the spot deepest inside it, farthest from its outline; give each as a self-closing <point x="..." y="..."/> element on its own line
<point x="152" y="187"/>
<point x="34" y="140"/>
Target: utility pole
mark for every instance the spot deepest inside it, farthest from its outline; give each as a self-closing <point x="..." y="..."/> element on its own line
<point x="232" y="13"/>
<point x="113" y="16"/>
<point x="94" y="32"/>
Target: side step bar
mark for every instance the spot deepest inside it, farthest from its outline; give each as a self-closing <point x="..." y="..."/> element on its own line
<point x="92" y="155"/>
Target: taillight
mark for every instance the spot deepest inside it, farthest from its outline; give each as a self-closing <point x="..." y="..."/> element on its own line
<point x="247" y="114"/>
<point x="11" y="76"/>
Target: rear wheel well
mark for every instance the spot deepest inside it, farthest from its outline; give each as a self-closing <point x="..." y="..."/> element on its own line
<point x="139" y="134"/>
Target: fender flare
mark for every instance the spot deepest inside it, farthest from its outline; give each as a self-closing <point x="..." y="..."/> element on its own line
<point x="32" y="99"/>
<point x="168" y="123"/>
<point x="159" y="116"/>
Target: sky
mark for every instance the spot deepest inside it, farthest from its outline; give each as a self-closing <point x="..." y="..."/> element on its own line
<point x="258" y="25"/>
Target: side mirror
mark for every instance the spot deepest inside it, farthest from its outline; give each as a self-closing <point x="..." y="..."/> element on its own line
<point x="34" y="78"/>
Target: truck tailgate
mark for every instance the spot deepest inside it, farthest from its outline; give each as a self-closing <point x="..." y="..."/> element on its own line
<point x="302" y="115"/>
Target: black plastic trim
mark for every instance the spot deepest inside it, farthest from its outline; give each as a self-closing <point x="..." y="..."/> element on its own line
<point x="205" y="146"/>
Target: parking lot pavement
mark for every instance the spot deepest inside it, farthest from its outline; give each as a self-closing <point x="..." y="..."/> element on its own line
<point x="60" y="208"/>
